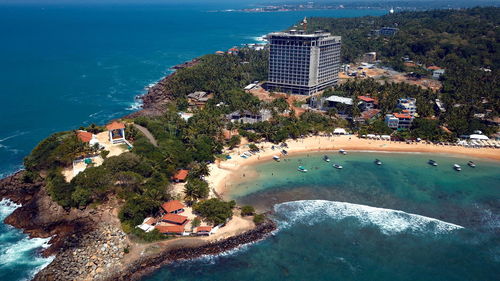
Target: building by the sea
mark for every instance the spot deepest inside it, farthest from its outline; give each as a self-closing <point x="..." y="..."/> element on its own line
<point x="301" y="63"/>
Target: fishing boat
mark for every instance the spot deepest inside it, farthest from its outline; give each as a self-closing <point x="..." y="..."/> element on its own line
<point x="471" y="164"/>
<point x="342" y="152"/>
<point x="284" y="152"/>
<point x="457" y="167"/>
<point x="432" y="162"/>
<point x="326" y="158"/>
<point x="378" y="162"/>
<point x="276" y="158"/>
<point x="302" y="169"/>
<point x="337" y="166"/>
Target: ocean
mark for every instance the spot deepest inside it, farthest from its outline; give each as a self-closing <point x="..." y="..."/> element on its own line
<point x="67" y="65"/>
<point x="403" y="220"/>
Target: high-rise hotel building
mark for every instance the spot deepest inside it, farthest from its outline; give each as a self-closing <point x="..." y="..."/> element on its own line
<point x="302" y="63"/>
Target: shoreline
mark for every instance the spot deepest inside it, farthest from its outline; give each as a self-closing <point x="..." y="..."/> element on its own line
<point x="222" y="172"/>
<point x="147" y="265"/>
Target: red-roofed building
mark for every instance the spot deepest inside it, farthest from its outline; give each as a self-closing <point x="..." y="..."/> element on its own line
<point x="399" y="120"/>
<point x="369" y="114"/>
<point x="84" y="136"/>
<point x="233" y="51"/>
<point x="433" y="67"/>
<point x="203" y="230"/>
<point x="173" y="207"/>
<point x="367" y="102"/>
<point x="175" y="219"/>
<point x="116" y="132"/>
<point x="170" y="229"/>
<point x="180" y="176"/>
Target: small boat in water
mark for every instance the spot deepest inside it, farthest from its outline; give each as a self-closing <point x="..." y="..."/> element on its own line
<point x="326" y="158"/>
<point x="457" y="167"/>
<point x="276" y="158"/>
<point x="337" y="166"/>
<point x="341" y="151"/>
<point x="378" y="162"/>
<point x="302" y="169"/>
<point x="471" y="164"/>
<point x="432" y="162"/>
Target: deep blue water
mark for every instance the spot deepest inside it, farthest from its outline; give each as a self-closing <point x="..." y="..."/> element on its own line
<point x="63" y="66"/>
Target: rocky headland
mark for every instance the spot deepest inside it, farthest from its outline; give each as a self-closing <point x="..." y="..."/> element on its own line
<point x="89" y="244"/>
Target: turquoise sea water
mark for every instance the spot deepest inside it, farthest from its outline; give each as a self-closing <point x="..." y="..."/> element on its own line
<point x="404" y="220"/>
<point x="63" y="66"/>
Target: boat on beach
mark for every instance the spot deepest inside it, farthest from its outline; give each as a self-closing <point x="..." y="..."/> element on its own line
<point x="337" y="166"/>
<point x="457" y="167"/>
<point x="471" y="164"/>
<point x="284" y="152"/>
<point x="302" y="169"/>
<point x="343" y="152"/>
<point x="432" y="162"/>
<point x="326" y="158"/>
<point x="276" y="158"/>
<point x="378" y="162"/>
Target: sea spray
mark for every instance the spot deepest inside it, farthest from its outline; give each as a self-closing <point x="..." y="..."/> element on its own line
<point x="18" y="251"/>
<point x="389" y="221"/>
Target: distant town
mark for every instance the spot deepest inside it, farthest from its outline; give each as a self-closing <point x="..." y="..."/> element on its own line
<point x="378" y="5"/>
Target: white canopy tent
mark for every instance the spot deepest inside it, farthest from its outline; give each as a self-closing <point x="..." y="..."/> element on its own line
<point x="478" y="137"/>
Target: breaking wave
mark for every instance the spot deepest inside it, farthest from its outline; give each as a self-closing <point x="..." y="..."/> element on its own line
<point x="389" y="221"/>
<point x="18" y="252"/>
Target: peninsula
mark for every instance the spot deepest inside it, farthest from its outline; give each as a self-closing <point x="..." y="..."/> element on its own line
<point x="122" y="199"/>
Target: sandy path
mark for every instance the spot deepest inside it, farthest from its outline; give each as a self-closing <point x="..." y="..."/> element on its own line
<point x="147" y="134"/>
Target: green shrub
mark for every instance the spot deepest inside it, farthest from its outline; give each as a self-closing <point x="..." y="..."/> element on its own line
<point x="247" y="210"/>
<point x="215" y="210"/>
<point x="259" y="218"/>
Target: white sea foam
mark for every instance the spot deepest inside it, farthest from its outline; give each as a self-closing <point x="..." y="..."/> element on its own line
<point x="135" y="106"/>
<point x="260" y="38"/>
<point x="389" y="221"/>
<point x="6" y="208"/>
<point x="13" y="136"/>
<point x="14" y="253"/>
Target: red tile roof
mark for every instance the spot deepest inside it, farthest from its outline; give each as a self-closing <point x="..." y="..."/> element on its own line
<point x="366" y="99"/>
<point x="179" y="229"/>
<point x="203" y="229"/>
<point x="115" y="126"/>
<point x="151" y="221"/>
<point x="402" y="116"/>
<point x="433" y="67"/>
<point x="181" y="175"/>
<point x="84" y="136"/>
<point x="173" y="218"/>
<point x="171" y="206"/>
<point x="369" y="113"/>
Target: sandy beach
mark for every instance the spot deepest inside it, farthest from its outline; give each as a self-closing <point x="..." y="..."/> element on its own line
<point x="221" y="172"/>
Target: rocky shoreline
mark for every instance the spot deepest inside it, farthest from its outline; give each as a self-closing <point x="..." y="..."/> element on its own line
<point x="158" y="95"/>
<point x="148" y="265"/>
<point x="90" y="245"/>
